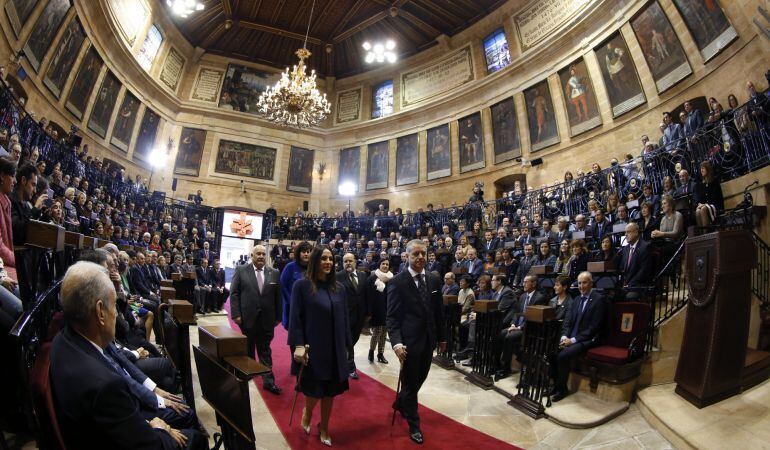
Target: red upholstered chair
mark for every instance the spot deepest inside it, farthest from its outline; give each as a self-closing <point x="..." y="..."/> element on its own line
<point x="626" y="335"/>
<point x="50" y="437"/>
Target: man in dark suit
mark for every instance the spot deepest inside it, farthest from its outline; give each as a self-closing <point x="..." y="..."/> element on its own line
<point x="561" y="232"/>
<point x="634" y="261"/>
<point x="93" y="402"/>
<point x="513" y="324"/>
<point x="218" y="289"/>
<point x="488" y="244"/>
<point x="601" y="225"/>
<point x="137" y="277"/>
<point x="694" y="120"/>
<point x="449" y="287"/>
<point x="255" y="305"/>
<point x="358" y="306"/>
<point x="205" y="252"/>
<point x="582" y="327"/>
<point x="415" y="323"/>
<point x="280" y="255"/>
<point x="686" y="184"/>
<point x="503" y="294"/>
<point x="203" y="284"/>
<point x="474" y="264"/>
<point x="527" y="261"/>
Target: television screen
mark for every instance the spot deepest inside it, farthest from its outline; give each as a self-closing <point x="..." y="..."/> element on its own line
<point x="241" y="224"/>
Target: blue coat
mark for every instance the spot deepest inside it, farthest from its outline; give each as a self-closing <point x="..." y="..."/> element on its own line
<point x="320" y="320"/>
<point x="291" y="273"/>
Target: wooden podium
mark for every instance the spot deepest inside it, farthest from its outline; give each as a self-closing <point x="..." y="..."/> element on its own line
<point x="716" y="331"/>
<point x="486" y="351"/>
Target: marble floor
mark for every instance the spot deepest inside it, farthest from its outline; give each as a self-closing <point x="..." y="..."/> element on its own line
<point x="447" y="392"/>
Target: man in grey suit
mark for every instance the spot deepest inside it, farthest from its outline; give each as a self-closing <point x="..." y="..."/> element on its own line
<point x="673" y="135"/>
<point x="255" y="305"/>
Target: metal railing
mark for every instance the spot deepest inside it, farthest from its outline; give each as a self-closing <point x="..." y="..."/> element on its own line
<point x="760" y="276"/>
<point x="669" y="292"/>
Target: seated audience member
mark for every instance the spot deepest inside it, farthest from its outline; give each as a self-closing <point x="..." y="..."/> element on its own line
<point x="459" y="262"/>
<point x="545" y="257"/>
<point x="475" y="266"/>
<point x="514" y="323"/>
<point x="601" y="225"/>
<point x="503" y="294"/>
<point x="647" y="222"/>
<point x="95" y="402"/>
<point x="433" y="265"/>
<point x="709" y="200"/>
<point x="668" y="187"/>
<point x="562" y="260"/>
<point x="671" y="222"/>
<point x="686" y="185"/>
<point x="561" y="300"/>
<point x="137" y="277"/>
<point x="510" y="265"/>
<point x="22" y="209"/>
<point x="578" y="262"/>
<point x="7" y="181"/>
<point x="465" y="296"/>
<point x="634" y="261"/>
<point x="648" y="197"/>
<point x="527" y="261"/>
<point x="219" y="291"/>
<point x="490" y="261"/>
<point x="582" y="327"/>
<point x="484" y="291"/>
<point x="203" y="286"/>
<point x="607" y="250"/>
<point x="562" y="233"/>
<point x="450" y="287"/>
<point x="11" y="307"/>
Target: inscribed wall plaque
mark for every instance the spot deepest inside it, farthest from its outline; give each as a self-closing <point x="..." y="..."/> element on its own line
<point x="348" y="105"/>
<point x="172" y="69"/>
<point x="437" y="78"/>
<point x="207" y="85"/>
<point x="542" y="17"/>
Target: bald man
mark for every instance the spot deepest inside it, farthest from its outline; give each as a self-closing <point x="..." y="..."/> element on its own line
<point x="255" y="305"/>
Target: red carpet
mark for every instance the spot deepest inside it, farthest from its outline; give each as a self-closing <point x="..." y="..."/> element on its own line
<point x="361" y="416"/>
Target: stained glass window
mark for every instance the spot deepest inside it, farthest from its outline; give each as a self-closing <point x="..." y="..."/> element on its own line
<point x="150" y="48"/>
<point x="496" y="51"/>
<point x="382" y="101"/>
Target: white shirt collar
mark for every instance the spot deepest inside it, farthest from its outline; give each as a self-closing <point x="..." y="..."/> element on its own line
<point x="101" y="350"/>
<point x="414" y="274"/>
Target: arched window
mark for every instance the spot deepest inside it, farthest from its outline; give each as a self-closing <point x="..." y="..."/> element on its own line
<point x="382" y="100"/>
<point x="150" y="48"/>
<point x="496" y="51"/>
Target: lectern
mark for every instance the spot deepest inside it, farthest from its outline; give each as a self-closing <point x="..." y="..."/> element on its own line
<point x="717" y="327"/>
<point x="486" y="352"/>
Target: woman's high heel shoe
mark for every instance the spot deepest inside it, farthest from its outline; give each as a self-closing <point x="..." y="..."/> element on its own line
<point x="328" y="441"/>
<point x="305" y="427"/>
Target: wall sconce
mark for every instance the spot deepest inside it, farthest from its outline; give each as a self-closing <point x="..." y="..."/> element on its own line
<point x="320" y="170"/>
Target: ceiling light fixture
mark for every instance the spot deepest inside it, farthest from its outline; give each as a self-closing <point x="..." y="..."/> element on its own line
<point x="184" y="8"/>
<point x="295" y="101"/>
<point x="380" y="52"/>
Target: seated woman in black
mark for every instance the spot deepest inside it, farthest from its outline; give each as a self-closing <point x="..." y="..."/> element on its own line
<point x="708" y="196"/>
<point x="578" y="262"/>
<point x="647" y="222"/>
<point x="607" y="251"/>
<point x="562" y="300"/>
<point x="545" y="257"/>
<point x="319" y="324"/>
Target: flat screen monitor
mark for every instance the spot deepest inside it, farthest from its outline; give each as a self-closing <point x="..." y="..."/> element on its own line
<point x="240" y="224"/>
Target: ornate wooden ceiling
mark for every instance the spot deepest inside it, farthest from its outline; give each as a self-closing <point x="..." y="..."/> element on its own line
<point x="270" y="31"/>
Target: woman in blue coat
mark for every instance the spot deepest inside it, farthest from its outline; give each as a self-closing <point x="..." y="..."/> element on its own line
<point x="319" y="335"/>
<point x="293" y="271"/>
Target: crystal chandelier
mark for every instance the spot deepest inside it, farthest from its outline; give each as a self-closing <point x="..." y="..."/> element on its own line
<point x="294" y="101"/>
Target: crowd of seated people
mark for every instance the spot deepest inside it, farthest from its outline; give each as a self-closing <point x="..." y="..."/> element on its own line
<point x="47" y="179"/>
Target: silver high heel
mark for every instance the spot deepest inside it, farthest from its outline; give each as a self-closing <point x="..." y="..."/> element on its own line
<point x="306" y="428"/>
<point x="328" y="441"/>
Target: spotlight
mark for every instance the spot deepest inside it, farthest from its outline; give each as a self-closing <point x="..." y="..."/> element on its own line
<point x="367" y="46"/>
<point x="390" y="45"/>
<point x="380" y="52"/>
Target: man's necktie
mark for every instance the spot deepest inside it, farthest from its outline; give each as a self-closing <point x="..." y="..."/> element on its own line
<point x="354" y="280"/>
<point x="422" y="287"/>
<point x="117" y="367"/>
<point x="630" y="255"/>
<point x="260" y="280"/>
<point x="575" y="325"/>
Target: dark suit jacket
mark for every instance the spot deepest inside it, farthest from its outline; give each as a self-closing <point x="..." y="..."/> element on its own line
<point x="255" y="308"/>
<point x="417" y="324"/>
<point x="210" y="256"/>
<point x="680" y="191"/>
<point x="516" y="314"/>
<point x="21" y="213"/>
<point x="507" y="299"/>
<point x="591" y="322"/>
<point x="639" y="272"/>
<point x="358" y="304"/>
<point x="138" y="281"/>
<point x="478" y="268"/>
<point x="203" y="276"/>
<point x="93" y="403"/>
